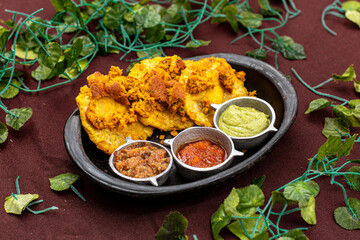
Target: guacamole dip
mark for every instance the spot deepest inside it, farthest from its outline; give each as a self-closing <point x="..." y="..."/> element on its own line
<point x="243" y="121"/>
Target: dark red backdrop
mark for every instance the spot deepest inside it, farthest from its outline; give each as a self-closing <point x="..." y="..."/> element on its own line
<point x="36" y="152"/>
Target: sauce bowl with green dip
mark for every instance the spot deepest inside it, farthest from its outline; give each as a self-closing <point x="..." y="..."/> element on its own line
<point x="248" y="121"/>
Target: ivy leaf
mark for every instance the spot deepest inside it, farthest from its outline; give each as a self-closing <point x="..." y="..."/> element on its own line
<point x="231" y="202"/>
<point x="231" y="11"/>
<point x="353" y="16"/>
<point x="295" y="234"/>
<point x="288" y="48"/>
<point x="21" y="52"/>
<point x="248" y="225"/>
<point x="88" y="46"/>
<point x="3" y="132"/>
<point x="259" y="181"/>
<point x="197" y="43"/>
<point x="266" y="9"/>
<point x="345" y="218"/>
<point x="219" y="220"/>
<point x="279" y="198"/>
<point x="173" y="227"/>
<point x="307" y="210"/>
<point x="4" y="35"/>
<point x="43" y="72"/>
<point x="21" y="116"/>
<point x="113" y="16"/>
<point x="50" y="56"/>
<point x="105" y="43"/>
<point x="74" y="70"/>
<point x="249" y="19"/>
<point x="346" y="146"/>
<point x="68" y="6"/>
<point x="10" y="91"/>
<point x="155" y="34"/>
<point x="348" y="75"/>
<point x="318" y="104"/>
<point x="147" y="17"/>
<point x="349" y="117"/>
<point x="334" y="127"/>
<point x="17" y="205"/>
<point x="350" y="5"/>
<point x="330" y="147"/>
<point x="63" y="181"/>
<point x="300" y="191"/>
<point x="354" y="179"/>
<point x="258" y="54"/>
<point x="251" y="197"/>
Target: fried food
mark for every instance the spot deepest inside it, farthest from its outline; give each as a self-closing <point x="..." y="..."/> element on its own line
<point x="166" y="93"/>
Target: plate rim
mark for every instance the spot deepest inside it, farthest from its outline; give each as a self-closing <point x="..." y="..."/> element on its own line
<point x="78" y="156"/>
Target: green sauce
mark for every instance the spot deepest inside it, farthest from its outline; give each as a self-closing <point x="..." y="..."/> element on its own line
<point x="243" y="121"/>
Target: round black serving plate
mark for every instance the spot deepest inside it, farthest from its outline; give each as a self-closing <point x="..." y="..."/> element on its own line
<point x="269" y="84"/>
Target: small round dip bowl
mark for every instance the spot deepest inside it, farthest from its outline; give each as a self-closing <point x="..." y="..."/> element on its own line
<point x="253" y="102"/>
<point x="156" y="180"/>
<point x="201" y="133"/>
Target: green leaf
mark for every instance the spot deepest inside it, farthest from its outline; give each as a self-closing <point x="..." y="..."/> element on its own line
<point x="279" y="198"/>
<point x="43" y="73"/>
<point x="334" y="127"/>
<point x="17" y="205"/>
<point x="251" y="197"/>
<point x="330" y="147"/>
<point x="231" y="202"/>
<point x="267" y="10"/>
<point x="155" y="34"/>
<point x="74" y="70"/>
<point x="348" y="75"/>
<point x="353" y="16"/>
<point x="350" y="5"/>
<point x="346" y="219"/>
<point x="4" y="35"/>
<point x="68" y="6"/>
<point x="10" y="91"/>
<point x="173" y="227"/>
<point x="114" y="15"/>
<point x="3" y="132"/>
<point x="147" y="17"/>
<point x="88" y="46"/>
<point x="354" y="179"/>
<point x="249" y="226"/>
<point x="73" y="53"/>
<point x="259" y="181"/>
<point x="231" y="11"/>
<point x="219" y="220"/>
<point x="346" y="146"/>
<point x="318" y="104"/>
<point x="20" y="118"/>
<point x="105" y="43"/>
<point x="249" y="19"/>
<point x="258" y="54"/>
<point x="197" y="43"/>
<point x="357" y="86"/>
<point x="20" y="52"/>
<point x="288" y="48"/>
<point x="173" y="14"/>
<point x="300" y="191"/>
<point x="50" y="56"/>
<point x="349" y="117"/>
<point x="307" y="210"/>
<point x="295" y="234"/>
<point x="63" y="181"/>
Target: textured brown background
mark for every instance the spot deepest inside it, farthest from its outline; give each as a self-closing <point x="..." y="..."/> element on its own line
<point x="37" y="152"/>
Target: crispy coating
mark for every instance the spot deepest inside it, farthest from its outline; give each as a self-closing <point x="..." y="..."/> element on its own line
<point x="166" y="93"/>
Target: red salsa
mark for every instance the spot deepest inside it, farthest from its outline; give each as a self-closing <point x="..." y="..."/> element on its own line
<point x="201" y="154"/>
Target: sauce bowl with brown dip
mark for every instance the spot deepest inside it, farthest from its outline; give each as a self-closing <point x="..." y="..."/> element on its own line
<point x="200" y="144"/>
<point x="142" y="161"/>
<point x="256" y="104"/>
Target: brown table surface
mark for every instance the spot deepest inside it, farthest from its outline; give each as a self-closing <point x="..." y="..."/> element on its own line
<point x="37" y="152"/>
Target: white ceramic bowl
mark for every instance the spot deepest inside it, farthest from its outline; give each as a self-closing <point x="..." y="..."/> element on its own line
<point x="155" y="180"/>
<point x="201" y="133"/>
<point x="242" y="143"/>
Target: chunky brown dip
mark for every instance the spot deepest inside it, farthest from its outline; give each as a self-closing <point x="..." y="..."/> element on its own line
<point x="141" y="160"/>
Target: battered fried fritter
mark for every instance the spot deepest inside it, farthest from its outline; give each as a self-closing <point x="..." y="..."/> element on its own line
<point x="166" y="93"/>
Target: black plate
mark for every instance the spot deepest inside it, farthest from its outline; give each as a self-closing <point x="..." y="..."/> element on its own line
<point x="270" y="85"/>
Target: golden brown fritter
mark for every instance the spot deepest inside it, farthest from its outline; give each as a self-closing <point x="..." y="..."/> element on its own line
<point x="166" y="93"/>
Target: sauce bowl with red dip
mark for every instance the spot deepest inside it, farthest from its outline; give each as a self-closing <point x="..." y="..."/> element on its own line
<point x="200" y="152"/>
<point x="142" y="162"/>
